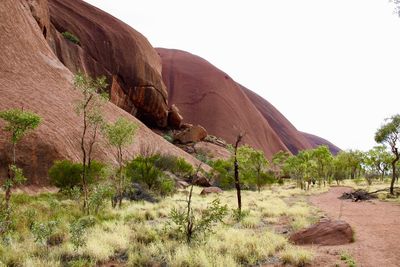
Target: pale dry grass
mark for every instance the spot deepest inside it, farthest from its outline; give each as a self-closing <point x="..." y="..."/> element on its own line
<point x="138" y="229"/>
<point x="297" y="256"/>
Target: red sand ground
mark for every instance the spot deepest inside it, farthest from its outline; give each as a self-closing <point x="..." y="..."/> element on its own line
<point x="376" y="226"/>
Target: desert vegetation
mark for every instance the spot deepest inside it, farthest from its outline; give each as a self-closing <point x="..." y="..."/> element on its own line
<point x="166" y="219"/>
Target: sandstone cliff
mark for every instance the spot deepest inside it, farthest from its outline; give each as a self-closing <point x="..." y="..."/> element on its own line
<point x="32" y="77"/>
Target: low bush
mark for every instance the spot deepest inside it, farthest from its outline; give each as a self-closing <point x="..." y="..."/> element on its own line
<point x="66" y="174"/>
<point x="71" y="37"/>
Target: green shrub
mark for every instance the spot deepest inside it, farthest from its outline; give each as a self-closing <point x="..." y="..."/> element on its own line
<point x="224" y="171"/>
<point x="71" y="37"/>
<point x="78" y="231"/>
<point x="187" y="226"/>
<point x="166" y="186"/>
<point x="169" y="137"/>
<point x="66" y="174"/>
<point x="100" y="194"/>
<point x="144" y="170"/>
<point x="43" y="231"/>
<point x="178" y="166"/>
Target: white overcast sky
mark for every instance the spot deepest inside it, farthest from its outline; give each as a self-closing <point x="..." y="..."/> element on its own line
<point x="331" y="67"/>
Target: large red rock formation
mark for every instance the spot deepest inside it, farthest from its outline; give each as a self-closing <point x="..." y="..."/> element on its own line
<point x="291" y="137"/>
<point x="207" y="96"/>
<point x="32" y="77"/>
<point x="318" y="141"/>
<point x="110" y="47"/>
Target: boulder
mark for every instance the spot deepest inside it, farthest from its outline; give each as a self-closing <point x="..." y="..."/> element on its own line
<point x="174" y="118"/>
<point x="201" y="180"/>
<point x="191" y="135"/>
<point x="181" y="184"/>
<point x="211" y="190"/>
<point x="326" y="232"/>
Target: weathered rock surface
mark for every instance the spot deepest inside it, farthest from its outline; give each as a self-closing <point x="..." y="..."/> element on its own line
<point x="326" y="232"/>
<point x="110" y="47"/>
<point x="32" y="77"/>
<point x="211" y="150"/>
<point x="201" y="180"/>
<point x="174" y="117"/>
<point x="192" y="134"/>
<point x="318" y="141"/>
<point x="211" y="190"/>
<point x="293" y="139"/>
<point x="207" y="96"/>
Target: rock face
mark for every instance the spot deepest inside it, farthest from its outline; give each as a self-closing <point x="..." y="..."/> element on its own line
<point x="109" y="47"/>
<point x="32" y="77"/>
<point x="211" y="190"/>
<point x="327" y="232"/>
<point x="317" y="141"/>
<point x="293" y="139"/>
<point x="207" y="96"/>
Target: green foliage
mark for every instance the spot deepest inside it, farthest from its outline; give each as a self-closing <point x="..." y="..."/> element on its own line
<point x="278" y="163"/>
<point x="121" y="133"/>
<point x="389" y="132"/>
<point x="78" y="231"/>
<point x="253" y="166"/>
<point x="378" y="160"/>
<point x="166" y="186"/>
<point x="224" y="171"/>
<point x="99" y="194"/>
<point x="71" y="37"/>
<point x="18" y="177"/>
<point x="178" y="166"/>
<point x="144" y="170"/>
<point x="180" y="219"/>
<point x="66" y="174"/>
<point x="19" y="122"/>
<point x="348" y="259"/>
<point x="42" y="231"/>
<point x="169" y="137"/>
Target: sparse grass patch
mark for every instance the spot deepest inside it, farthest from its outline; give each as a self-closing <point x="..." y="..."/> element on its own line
<point x="296" y="256"/>
<point x="136" y="233"/>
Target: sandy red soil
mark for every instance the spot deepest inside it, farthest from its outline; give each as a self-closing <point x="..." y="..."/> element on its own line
<point x="376" y="225"/>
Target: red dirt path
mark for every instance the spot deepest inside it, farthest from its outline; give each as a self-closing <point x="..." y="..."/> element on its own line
<point x="376" y="225"/>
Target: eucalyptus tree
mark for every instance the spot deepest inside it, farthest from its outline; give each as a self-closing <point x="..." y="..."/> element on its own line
<point x="379" y="160"/>
<point x="18" y="123"/>
<point x="253" y="165"/>
<point x="120" y="135"/>
<point x="93" y="97"/>
<point x="389" y="134"/>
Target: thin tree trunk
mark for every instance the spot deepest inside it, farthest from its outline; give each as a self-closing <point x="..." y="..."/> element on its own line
<point x="393" y="174"/>
<point x="237" y="179"/>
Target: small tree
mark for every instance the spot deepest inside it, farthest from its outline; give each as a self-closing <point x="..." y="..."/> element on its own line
<point x="323" y="159"/>
<point x="389" y="133"/>
<point x="253" y="165"/>
<point x="89" y="107"/>
<point x="186" y="223"/>
<point x="120" y="135"/>
<point x="379" y="160"/>
<point x="278" y="163"/>
<point x="18" y="123"/>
